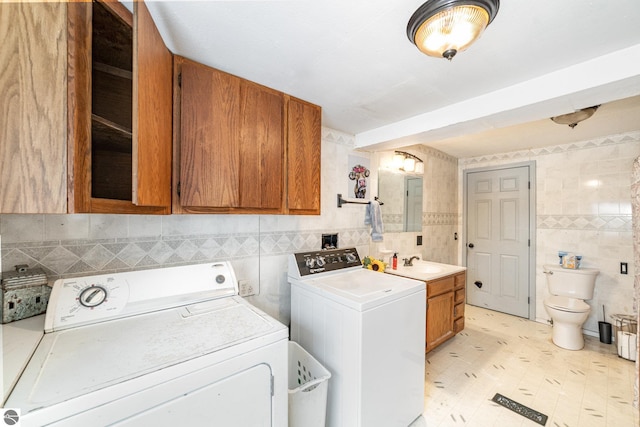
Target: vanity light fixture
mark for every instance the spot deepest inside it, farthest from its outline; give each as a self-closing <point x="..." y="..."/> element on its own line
<point x="442" y="28"/>
<point x="408" y="162"/>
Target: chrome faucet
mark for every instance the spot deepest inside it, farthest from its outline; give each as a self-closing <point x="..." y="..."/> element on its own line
<point x="408" y="262"/>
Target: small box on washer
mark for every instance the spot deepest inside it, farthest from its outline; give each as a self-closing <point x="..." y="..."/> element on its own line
<point x="25" y="293"/>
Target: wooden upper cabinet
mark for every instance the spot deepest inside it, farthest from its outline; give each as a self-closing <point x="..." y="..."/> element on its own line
<point x="303" y="154"/>
<point x="230" y="142"/>
<point x="119" y="110"/>
<point x="33" y="152"/>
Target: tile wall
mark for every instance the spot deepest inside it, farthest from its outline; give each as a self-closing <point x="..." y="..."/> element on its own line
<point x="257" y="245"/>
<point x="583" y="206"/>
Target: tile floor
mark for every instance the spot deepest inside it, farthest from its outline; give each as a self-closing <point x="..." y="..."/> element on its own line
<point x="499" y="353"/>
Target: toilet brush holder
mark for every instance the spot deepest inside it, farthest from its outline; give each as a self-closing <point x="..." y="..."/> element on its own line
<point x="605" y="332"/>
<point x="604" y="329"/>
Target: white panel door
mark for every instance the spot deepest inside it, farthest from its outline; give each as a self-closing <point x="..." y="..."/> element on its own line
<point x="498" y="240"/>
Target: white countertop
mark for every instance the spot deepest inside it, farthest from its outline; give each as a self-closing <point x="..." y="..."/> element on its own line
<point x="425" y="270"/>
<point x="19" y="341"/>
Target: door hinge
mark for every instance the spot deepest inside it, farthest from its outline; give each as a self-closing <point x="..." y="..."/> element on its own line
<point x="529" y="185"/>
<point x="528" y="300"/>
<point x="178" y="189"/>
<point x="528" y="241"/>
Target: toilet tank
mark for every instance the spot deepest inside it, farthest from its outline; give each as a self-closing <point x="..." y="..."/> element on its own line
<point x="570" y="283"/>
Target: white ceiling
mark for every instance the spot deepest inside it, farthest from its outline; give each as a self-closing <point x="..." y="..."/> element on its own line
<point x="352" y="57"/>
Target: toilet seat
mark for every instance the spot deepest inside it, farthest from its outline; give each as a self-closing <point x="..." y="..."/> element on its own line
<point x="570" y="305"/>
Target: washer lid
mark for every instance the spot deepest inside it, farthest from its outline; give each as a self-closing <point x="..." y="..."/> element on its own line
<point x="362" y="289"/>
<point x="567" y="304"/>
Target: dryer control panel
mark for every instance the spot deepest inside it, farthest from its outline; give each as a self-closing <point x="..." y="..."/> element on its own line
<point x="303" y="264"/>
<point x="91" y="299"/>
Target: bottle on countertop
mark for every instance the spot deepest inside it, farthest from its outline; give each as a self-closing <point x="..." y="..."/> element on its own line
<point x="394" y="261"/>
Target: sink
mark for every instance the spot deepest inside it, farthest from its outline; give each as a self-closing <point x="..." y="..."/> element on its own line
<point x="424" y="268"/>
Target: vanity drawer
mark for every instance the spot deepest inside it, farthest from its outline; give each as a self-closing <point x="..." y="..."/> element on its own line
<point x="458" y="310"/>
<point x="459" y="297"/>
<point x="458" y="325"/>
<point x="460" y="280"/>
<point x="440" y="286"/>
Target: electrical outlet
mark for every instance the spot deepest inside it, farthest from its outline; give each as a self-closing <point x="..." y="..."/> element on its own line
<point x="246" y="289"/>
<point x="329" y="241"/>
<point x="624" y="268"/>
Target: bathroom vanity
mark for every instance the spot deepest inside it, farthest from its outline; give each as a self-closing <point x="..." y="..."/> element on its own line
<point x="445" y="298"/>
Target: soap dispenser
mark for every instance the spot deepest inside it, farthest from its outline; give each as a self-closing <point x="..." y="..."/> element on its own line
<point x="394" y="261"/>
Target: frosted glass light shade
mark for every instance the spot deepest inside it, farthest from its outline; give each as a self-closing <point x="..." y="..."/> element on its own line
<point x="442" y="28"/>
<point x="398" y="161"/>
<point x="420" y="168"/>
<point x="409" y="164"/>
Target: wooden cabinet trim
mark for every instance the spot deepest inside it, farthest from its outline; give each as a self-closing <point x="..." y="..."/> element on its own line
<point x="78" y="107"/>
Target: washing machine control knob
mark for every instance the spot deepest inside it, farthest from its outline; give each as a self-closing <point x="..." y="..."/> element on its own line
<point x="310" y="262"/>
<point x="320" y="261"/>
<point x="351" y="257"/>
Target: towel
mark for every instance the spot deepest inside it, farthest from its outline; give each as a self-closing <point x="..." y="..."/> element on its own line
<point x="373" y="217"/>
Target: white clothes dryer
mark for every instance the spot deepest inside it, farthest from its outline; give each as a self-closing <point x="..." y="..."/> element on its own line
<point x="368" y="329"/>
<point x="163" y="347"/>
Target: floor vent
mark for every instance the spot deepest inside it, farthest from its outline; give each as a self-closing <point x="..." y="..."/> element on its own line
<point x="518" y="408"/>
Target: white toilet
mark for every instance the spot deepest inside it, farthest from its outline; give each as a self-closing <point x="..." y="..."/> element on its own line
<point x="566" y="306"/>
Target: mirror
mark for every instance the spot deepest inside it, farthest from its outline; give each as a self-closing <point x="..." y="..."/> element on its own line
<point x="401" y="194"/>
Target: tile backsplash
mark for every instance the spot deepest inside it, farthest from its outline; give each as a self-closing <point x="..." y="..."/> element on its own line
<point x="257" y="245"/>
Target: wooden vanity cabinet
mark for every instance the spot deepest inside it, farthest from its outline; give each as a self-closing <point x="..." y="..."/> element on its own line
<point x="119" y="110"/>
<point x="439" y="312"/>
<point x="459" y="302"/>
<point x="240" y="147"/>
<point x="445" y="309"/>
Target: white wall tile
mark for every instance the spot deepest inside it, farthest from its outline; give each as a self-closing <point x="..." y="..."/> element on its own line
<point x="66" y="227"/>
<point x="583" y="206"/>
<point x="22" y="228"/>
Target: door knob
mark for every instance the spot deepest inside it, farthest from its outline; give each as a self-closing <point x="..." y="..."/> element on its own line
<point x="478" y="283"/>
<point x="471" y="245"/>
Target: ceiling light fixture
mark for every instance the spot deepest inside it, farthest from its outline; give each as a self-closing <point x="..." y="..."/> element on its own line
<point x="572" y="119"/>
<point x="442" y="28"/>
<point x="409" y="163"/>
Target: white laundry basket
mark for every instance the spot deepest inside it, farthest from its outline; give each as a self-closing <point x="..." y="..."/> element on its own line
<point x="308" y="383"/>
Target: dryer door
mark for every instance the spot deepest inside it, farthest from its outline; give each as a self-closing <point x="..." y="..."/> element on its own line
<point x="199" y="399"/>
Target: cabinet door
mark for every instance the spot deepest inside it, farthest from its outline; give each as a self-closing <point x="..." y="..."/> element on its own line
<point x="261" y="148"/>
<point x="32" y="122"/>
<point x="119" y="133"/>
<point x="231" y="142"/>
<point x="209" y="131"/>
<point x="152" y="112"/>
<point x="439" y="320"/>
<point x="303" y="157"/>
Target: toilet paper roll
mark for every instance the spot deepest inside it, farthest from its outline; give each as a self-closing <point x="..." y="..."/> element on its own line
<point x="626" y="345"/>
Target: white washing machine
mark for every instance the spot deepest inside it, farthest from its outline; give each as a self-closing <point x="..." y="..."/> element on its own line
<point x="163" y="347"/>
<point x="368" y="329"/>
